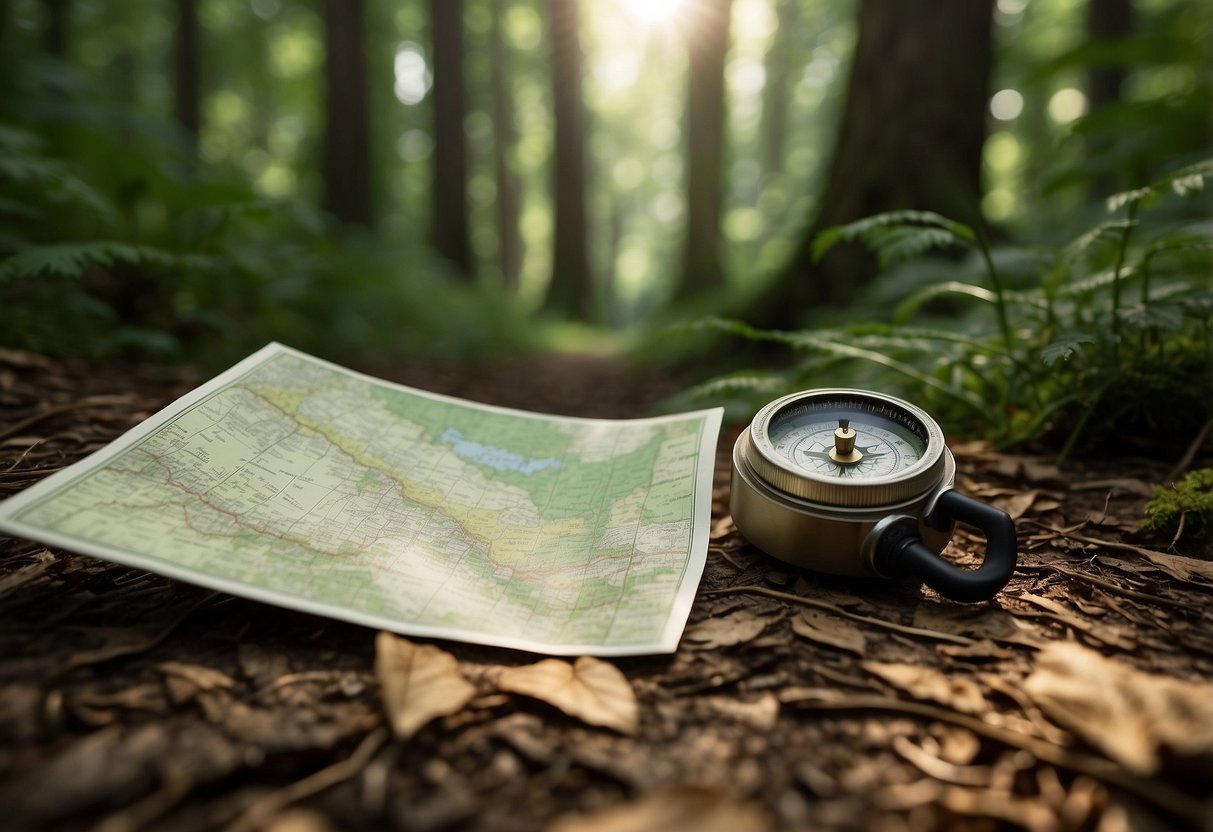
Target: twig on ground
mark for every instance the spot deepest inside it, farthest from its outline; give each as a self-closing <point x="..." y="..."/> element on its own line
<point x="1157" y="793"/>
<point x="751" y="589"/>
<point x="256" y="815"/>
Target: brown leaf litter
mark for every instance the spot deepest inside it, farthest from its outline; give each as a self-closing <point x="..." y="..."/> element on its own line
<point x="1077" y="699"/>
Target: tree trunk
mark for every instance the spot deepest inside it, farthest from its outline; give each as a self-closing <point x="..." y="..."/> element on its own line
<point x="910" y="136"/>
<point x="704" y="122"/>
<point x="1107" y="20"/>
<point x="55" y="29"/>
<point x="449" y="220"/>
<point x="347" y="162"/>
<point x="186" y="79"/>
<point x="509" y="199"/>
<point x="571" y="291"/>
<point x="777" y="89"/>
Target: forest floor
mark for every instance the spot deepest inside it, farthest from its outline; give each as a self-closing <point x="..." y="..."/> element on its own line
<point x="1081" y="698"/>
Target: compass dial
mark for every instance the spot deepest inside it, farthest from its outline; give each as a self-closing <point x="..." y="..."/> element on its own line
<point x="846" y="447"/>
<point x="884" y="447"/>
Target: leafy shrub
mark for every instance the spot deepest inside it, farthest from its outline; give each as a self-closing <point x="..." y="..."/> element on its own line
<point x="1100" y="341"/>
<point x="115" y="241"/>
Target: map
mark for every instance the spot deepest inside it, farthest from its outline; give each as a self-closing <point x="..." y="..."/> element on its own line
<point x="293" y="481"/>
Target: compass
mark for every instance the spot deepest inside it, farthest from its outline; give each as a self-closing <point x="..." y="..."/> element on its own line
<point x="854" y="482"/>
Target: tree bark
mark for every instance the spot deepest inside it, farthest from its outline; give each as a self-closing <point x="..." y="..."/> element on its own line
<point x="55" y="29"/>
<point x="571" y="290"/>
<point x="1107" y="20"/>
<point x="910" y="136"/>
<point x="509" y="198"/>
<point x="449" y="221"/>
<point x="777" y="89"/>
<point x="704" y="123"/>
<point x="186" y="76"/>
<point x="347" y="162"/>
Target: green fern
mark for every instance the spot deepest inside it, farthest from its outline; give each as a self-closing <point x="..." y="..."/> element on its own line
<point x="73" y="260"/>
<point x="895" y="235"/>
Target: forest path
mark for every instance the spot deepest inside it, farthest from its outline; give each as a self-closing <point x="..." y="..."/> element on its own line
<point x="1078" y="699"/>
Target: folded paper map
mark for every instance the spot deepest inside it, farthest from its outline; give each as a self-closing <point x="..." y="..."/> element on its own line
<point x="296" y="482"/>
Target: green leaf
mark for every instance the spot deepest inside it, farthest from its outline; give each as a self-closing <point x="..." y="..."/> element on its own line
<point x="1110" y="230"/>
<point x="74" y="259"/>
<point x="916" y="301"/>
<point x="1065" y="346"/>
<point x="1181" y="182"/>
<point x="1164" y="317"/>
<point x="869" y="231"/>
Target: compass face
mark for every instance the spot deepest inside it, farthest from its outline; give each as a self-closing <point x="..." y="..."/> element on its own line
<point x="849" y="448"/>
<point x="805" y="437"/>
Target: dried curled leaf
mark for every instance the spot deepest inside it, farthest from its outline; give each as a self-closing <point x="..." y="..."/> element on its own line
<point x="825" y="629"/>
<point x="418" y="683"/>
<point x="1128" y="714"/>
<point x="726" y="630"/>
<point x="921" y="682"/>
<point x="184" y="681"/>
<point x="591" y="690"/>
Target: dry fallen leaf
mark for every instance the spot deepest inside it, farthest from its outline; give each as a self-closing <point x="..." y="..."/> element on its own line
<point x="975" y="621"/>
<point x="184" y="681"/>
<point x="591" y="690"/>
<point x="825" y="629"/>
<point x="921" y="682"/>
<point x="678" y="810"/>
<point x="1128" y="714"/>
<point x="726" y="630"/>
<point x="418" y="683"/>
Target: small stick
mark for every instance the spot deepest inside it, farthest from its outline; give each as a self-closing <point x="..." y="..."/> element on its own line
<point x="828" y="607"/>
<point x="256" y="815"/>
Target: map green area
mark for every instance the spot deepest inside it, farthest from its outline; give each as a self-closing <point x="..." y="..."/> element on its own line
<point x="294" y="481"/>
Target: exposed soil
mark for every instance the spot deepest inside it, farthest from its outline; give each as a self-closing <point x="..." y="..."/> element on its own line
<point x="1081" y="698"/>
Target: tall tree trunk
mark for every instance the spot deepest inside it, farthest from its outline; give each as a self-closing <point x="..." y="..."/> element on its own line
<point x="704" y="122"/>
<point x="347" y="162"/>
<point x="449" y="220"/>
<point x="1107" y="20"/>
<point x="910" y="136"/>
<point x="777" y="89"/>
<point x="509" y="199"/>
<point x="571" y="291"/>
<point x="56" y="27"/>
<point x="186" y="76"/>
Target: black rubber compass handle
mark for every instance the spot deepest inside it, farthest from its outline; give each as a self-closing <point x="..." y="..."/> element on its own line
<point x="901" y="552"/>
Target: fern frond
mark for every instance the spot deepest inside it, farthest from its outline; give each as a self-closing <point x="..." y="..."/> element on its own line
<point x="906" y="309"/>
<point x="820" y="341"/>
<point x="1110" y="230"/>
<point x="744" y="384"/>
<point x="867" y="230"/>
<point x="74" y="259"/>
<point x="899" y="243"/>
<point x="1181" y="182"/>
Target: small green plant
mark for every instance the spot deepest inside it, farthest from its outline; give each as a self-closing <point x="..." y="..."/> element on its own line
<point x="1185" y="507"/>
<point x="1105" y="340"/>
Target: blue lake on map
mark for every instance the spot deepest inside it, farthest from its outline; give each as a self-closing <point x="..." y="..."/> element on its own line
<point x="493" y="457"/>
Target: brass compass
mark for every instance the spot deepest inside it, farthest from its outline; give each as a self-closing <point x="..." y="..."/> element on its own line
<point x="860" y="483"/>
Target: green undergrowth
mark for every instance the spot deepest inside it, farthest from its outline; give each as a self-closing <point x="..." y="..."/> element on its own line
<point x="116" y="242"/>
<point x="1103" y="342"/>
<point x="1184" y="509"/>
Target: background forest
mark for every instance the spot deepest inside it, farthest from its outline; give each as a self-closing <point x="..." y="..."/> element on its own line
<point x="987" y="203"/>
